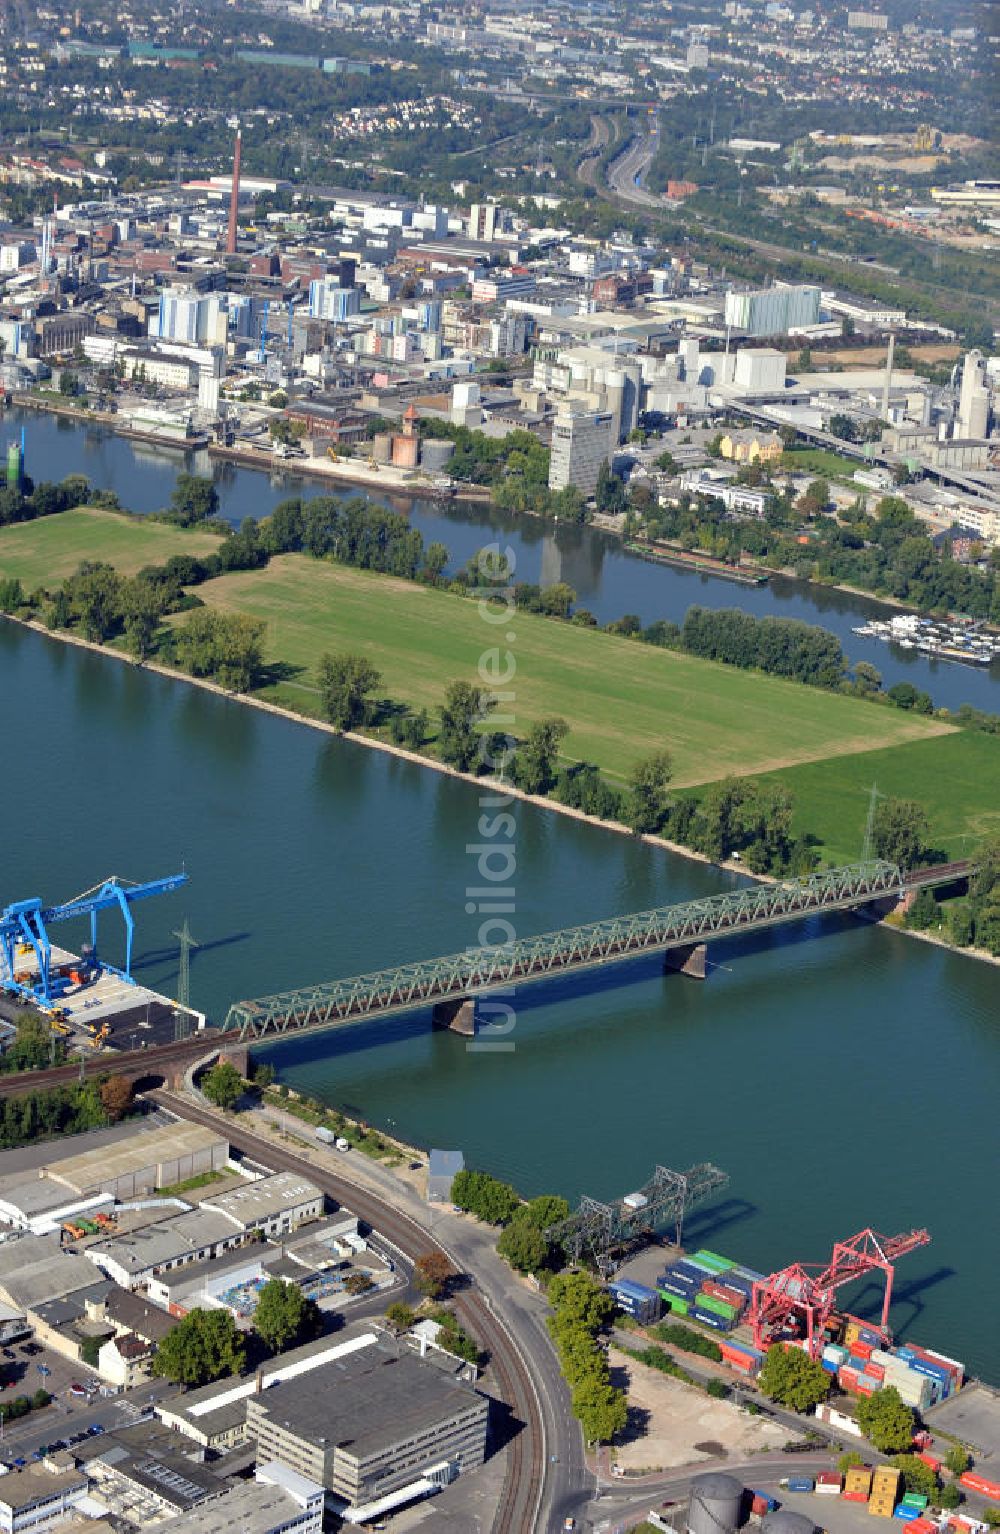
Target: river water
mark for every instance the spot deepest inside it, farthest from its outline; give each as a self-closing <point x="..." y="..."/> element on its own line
<point x="608" y="580"/>
<point x="843" y="1075"/>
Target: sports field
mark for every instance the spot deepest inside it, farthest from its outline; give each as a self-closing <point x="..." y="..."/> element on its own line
<point x="955" y="777"/>
<point x="621" y="699"/>
<point x="46" y="551"/>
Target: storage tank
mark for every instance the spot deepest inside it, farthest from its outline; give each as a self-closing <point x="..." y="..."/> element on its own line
<point x="716" y="1501"/>
<point x="783" y="1522"/>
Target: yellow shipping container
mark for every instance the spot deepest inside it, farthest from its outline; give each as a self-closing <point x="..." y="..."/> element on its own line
<point x="858" y="1479"/>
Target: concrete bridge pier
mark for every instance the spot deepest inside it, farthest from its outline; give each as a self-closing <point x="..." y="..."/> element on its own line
<point x="689" y="959"/>
<point x="457" y="1013"/>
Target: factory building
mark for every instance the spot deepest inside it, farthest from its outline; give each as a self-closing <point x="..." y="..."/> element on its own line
<point x="375" y="1424"/>
<point x="38" y="1499"/>
<point x="273" y="1205"/>
<point x="145" y="1161"/>
<point x="277" y="1502"/>
<point x="773" y="311"/>
<point x="974" y="398"/>
<point x="581" y="442"/>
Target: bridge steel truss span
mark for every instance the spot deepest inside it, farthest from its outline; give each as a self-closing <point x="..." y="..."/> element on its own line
<point x="604" y="1232"/>
<point x="481" y="970"/>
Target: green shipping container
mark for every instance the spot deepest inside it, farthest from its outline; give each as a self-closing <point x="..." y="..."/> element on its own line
<point x="714" y="1261"/>
<point x="675" y="1302"/>
<point x="718" y="1307"/>
<point x="915" y="1499"/>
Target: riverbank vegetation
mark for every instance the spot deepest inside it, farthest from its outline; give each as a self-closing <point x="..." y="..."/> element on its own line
<point x="884" y="550"/>
<point x="642" y="726"/>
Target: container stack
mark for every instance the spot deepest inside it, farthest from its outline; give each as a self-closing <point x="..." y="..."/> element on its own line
<point x="636" y="1300"/>
<point x="834" y="1357"/>
<point x="857" y="1484"/>
<point x="910" y="1508"/>
<point x="885" y="1491"/>
<point x="709" y="1288"/>
<point x="744" y="1359"/>
<point x="829" y="1483"/>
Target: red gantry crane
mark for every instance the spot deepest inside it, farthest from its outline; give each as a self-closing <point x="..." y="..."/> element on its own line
<point x="800" y="1300"/>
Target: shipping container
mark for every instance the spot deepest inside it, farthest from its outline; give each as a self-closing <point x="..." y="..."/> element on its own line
<point x="801" y="1483"/>
<point x="915" y="1499"/>
<point x="718" y="1307"/>
<point x="973" y="1481"/>
<point x="678" y="1306"/>
<point x="855" y="1496"/>
<point x="769" y="1503"/>
<point x="713" y="1260"/>
<point x="957" y="1369"/>
<point x="709" y="1318"/>
<point x="862" y="1350"/>
<point x="929" y="1459"/>
<point x="874" y="1371"/>
<point x="905" y="1514"/>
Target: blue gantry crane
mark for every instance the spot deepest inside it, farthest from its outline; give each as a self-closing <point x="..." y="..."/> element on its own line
<point x="24" y="926"/>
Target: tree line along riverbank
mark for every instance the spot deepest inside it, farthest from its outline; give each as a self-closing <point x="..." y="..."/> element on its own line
<point x="721" y="755"/>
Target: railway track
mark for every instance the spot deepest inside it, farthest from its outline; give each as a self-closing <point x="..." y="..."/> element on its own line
<point x="520" y="1499"/>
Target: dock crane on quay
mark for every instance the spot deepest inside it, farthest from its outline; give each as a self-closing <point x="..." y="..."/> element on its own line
<point x="800" y="1300"/>
<point x="24" y="929"/>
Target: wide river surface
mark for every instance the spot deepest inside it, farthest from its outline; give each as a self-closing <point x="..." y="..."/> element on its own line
<point x="843" y="1075"/>
<point x="608" y="580"/>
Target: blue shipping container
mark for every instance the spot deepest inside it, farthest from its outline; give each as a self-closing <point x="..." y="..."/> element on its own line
<point x="829" y="1365"/>
<point x="801" y="1483"/>
<point x="682" y="1280"/>
<point x="709" y="1318"/>
<point x="906" y="1514"/>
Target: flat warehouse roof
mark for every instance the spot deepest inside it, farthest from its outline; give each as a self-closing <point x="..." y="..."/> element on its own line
<point x="269" y="1196"/>
<point x="366" y="1402"/>
<point x="148" y="1148"/>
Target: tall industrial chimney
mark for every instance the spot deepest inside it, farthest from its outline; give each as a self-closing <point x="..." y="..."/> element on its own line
<point x="234" y="201"/>
<point x="888" y="376"/>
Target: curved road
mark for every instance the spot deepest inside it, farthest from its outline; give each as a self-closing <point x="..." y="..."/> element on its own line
<point x="546" y="1474"/>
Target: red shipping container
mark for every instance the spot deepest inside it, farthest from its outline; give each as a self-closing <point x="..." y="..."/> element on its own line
<point x="862" y="1350"/>
<point x="759" y="1505"/>
<point x="929" y="1459"/>
<point x="875" y="1372"/>
<point x="921" y="1526"/>
<point x="855" y="1496"/>
<point x="976" y="1482"/>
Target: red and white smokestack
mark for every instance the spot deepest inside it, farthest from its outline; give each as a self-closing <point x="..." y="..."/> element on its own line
<point x="234" y="201"/>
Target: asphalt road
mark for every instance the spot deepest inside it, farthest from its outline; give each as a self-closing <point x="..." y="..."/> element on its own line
<point x="635" y="162"/>
<point x="547" y="1476"/>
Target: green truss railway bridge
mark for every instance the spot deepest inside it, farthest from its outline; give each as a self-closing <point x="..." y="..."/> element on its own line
<point x="453" y="984"/>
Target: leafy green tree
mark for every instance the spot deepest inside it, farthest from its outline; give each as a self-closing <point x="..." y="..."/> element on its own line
<point x="223" y="1085"/>
<point x="899" y="832"/>
<point x="793" y="1379"/>
<point x="602" y="1410"/>
<point x="886" y="1420"/>
<point x="142" y="607"/>
<point x="464" y="708"/>
<point x="32" y="1046"/>
<point x="225" y="646"/>
<point x="535" y="762"/>
<point x="194" y="499"/>
<point x="717" y="1389"/>
<point x="69" y="384"/>
<point x="345" y="683"/>
<point x="648" y="804"/>
<point x="580" y="1298"/>
<point x="867" y="678"/>
<point x="490" y="1200"/>
<point x="917" y="1476"/>
<point x="400" y="1317"/>
<point x="924" y="912"/>
<point x="523" y="1246"/>
<point x="848" y="1460"/>
<point x="95" y="594"/>
<point x="958" y="1459"/>
<point x="204" y="1346"/>
<point x="285" y="1317"/>
<point x="11" y="595"/>
<point x="435" y="563"/>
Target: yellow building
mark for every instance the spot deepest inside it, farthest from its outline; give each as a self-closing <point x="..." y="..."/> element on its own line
<point x="751" y="447"/>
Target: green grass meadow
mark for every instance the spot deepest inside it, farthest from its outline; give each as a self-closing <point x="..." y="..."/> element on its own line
<point x="48" y="550"/>
<point x="621" y="699"/>
<point x="955" y="777"/>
